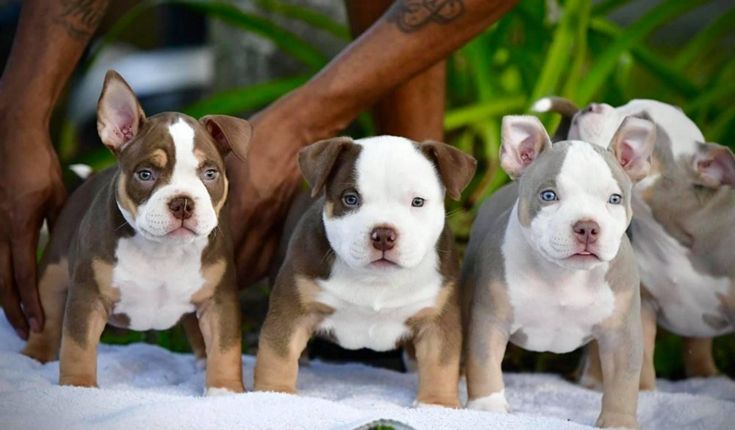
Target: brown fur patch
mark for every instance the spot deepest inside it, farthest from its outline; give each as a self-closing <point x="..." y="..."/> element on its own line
<point x="212" y="275"/>
<point x="159" y="158"/>
<point x="52" y="288"/>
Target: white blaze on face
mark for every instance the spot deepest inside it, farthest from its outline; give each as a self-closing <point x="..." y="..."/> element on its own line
<point x="154" y="218"/>
<point x="584" y="185"/>
<point x="390" y="173"/>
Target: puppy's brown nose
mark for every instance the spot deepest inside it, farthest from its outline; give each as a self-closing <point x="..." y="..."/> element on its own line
<point x="384" y="238"/>
<point x="182" y="207"/>
<point x="586" y="231"/>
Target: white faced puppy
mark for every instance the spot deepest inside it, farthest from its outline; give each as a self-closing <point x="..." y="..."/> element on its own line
<point x="372" y="263"/>
<point x="144" y="244"/>
<point x="682" y="230"/>
<point x="549" y="267"/>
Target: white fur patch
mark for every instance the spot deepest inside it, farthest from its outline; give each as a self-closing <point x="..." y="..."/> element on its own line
<point x="218" y="392"/>
<point x="371" y="307"/>
<point x="156" y="281"/>
<point x="683" y="295"/>
<point x="584" y="186"/>
<point x="495" y="402"/>
<point x="556" y="308"/>
<point x="542" y="105"/>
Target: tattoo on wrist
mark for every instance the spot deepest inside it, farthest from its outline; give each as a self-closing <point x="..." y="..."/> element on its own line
<point x="80" y="18"/>
<point x="412" y="15"/>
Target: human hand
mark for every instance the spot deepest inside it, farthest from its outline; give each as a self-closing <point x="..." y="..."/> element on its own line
<point x="31" y="190"/>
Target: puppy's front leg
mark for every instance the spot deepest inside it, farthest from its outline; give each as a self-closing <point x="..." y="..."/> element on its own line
<point x="486" y="344"/>
<point x="698" y="360"/>
<point x="648" y="371"/>
<point x="84" y="320"/>
<point x="438" y="350"/>
<point x="621" y="356"/>
<point x="219" y="321"/>
<point x="282" y="340"/>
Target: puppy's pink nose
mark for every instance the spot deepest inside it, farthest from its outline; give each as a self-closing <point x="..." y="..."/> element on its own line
<point x="384" y="238"/>
<point x="586" y="231"/>
<point x="182" y="207"/>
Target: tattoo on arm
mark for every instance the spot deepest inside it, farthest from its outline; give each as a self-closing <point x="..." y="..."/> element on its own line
<point x="412" y="15"/>
<point x="80" y="18"/>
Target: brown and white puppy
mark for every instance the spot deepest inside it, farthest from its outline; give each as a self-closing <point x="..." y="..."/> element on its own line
<point x="372" y="263"/>
<point x="682" y="229"/>
<point x="144" y="243"/>
<point x="548" y="266"/>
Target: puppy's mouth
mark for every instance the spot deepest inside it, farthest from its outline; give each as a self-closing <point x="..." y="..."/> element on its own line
<point x="585" y="256"/>
<point x="383" y="263"/>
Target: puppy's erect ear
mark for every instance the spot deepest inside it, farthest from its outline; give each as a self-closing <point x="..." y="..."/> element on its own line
<point x="119" y="115"/>
<point x="316" y="161"/>
<point x="633" y="144"/>
<point x="229" y="134"/>
<point x="455" y="168"/>
<point x="523" y="138"/>
<point x="715" y="165"/>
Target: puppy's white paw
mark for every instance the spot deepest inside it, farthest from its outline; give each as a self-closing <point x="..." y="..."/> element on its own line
<point x="215" y="391"/>
<point x="493" y="403"/>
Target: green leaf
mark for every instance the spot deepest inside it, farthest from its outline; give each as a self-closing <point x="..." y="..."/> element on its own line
<point x="306" y="15"/>
<point x="288" y="42"/>
<point x="238" y="100"/>
<point x="655" y="64"/>
<point x="705" y="40"/>
<point x="558" y="53"/>
<point x="633" y="35"/>
<point x="604" y="7"/>
<point x="466" y="115"/>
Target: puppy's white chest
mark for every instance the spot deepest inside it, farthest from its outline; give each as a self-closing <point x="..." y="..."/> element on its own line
<point x="372" y="314"/>
<point x="155" y="285"/>
<point x="554" y="312"/>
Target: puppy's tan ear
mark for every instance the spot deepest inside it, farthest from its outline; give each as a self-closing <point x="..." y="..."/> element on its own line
<point x="317" y="160"/>
<point x="715" y="165"/>
<point x="633" y="144"/>
<point x="523" y="138"/>
<point x="229" y="134"/>
<point x="456" y="168"/>
<point x="119" y="115"/>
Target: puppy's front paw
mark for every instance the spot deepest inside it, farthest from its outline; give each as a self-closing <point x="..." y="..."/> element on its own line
<point x="436" y="403"/>
<point x="216" y="392"/>
<point x="614" y="420"/>
<point x="493" y="403"/>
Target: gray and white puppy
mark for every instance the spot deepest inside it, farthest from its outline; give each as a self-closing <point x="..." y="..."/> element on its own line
<point x="549" y="266"/>
<point x="682" y="229"/>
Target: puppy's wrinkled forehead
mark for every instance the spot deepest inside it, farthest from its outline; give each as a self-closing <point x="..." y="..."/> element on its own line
<point x="571" y="169"/>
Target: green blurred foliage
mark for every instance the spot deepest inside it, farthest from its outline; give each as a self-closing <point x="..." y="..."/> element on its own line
<point x="573" y="50"/>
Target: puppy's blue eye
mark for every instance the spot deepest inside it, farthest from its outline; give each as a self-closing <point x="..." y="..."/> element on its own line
<point x="144" y="175"/>
<point x="210" y="174"/>
<point x="351" y="199"/>
<point x="615" y="199"/>
<point x="548" y="196"/>
<point x="417" y="202"/>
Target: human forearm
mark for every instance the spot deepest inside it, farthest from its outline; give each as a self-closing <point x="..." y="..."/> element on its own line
<point x="405" y="41"/>
<point x="50" y="39"/>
